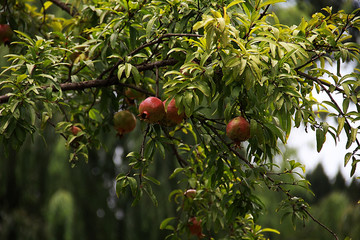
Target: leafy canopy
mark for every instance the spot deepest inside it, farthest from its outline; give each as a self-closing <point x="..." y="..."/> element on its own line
<point x="218" y="60"/>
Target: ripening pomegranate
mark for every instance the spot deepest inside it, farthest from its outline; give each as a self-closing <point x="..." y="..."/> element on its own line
<point x="75" y="130"/>
<point x="5" y="33"/>
<point x="152" y="110"/>
<point x="195" y="227"/>
<point x="172" y="116"/>
<point x="190" y="193"/>
<point x="238" y="129"/>
<point x="124" y="122"/>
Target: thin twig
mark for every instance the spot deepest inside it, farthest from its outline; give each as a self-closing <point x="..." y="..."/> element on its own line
<point x="215" y="131"/>
<point x="157" y="81"/>
<point x="336" y="105"/>
<point x="252" y="23"/>
<point x="181" y="161"/>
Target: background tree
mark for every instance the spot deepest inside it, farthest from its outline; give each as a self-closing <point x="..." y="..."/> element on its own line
<point x="218" y="60"/>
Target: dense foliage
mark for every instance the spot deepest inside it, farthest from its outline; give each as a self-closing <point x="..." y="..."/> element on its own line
<point x="218" y="60"/>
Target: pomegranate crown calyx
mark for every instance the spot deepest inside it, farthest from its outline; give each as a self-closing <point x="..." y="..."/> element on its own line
<point x="144" y="115"/>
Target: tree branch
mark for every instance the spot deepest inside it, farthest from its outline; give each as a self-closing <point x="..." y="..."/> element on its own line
<point x="317" y="80"/>
<point x="66" y="7"/>
<point x="104" y="82"/>
<point x="320" y="223"/>
<point x="148" y="44"/>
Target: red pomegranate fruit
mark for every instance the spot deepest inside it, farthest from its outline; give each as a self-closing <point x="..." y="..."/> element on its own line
<point x="172" y="116"/>
<point x="124" y="122"/>
<point x="5" y="33"/>
<point x="238" y="129"/>
<point x="195" y="227"/>
<point x="152" y="110"/>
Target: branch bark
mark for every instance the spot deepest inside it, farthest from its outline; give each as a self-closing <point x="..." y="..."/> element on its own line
<point x="66" y="7"/>
<point x="104" y="82"/>
<point x="317" y="80"/>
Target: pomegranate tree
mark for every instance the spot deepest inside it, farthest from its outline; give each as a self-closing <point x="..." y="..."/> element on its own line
<point x="124" y="122"/>
<point x="152" y="110"/>
<point x="238" y="129"/>
<point x="172" y="116"/>
<point x="5" y="33"/>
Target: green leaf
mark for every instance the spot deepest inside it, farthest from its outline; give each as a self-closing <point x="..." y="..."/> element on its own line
<point x="149" y="149"/>
<point x="133" y="35"/>
<point x="148" y="189"/>
<point x="134" y="155"/>
<point x="320" y="139"/>
<point x="268" y="2"/>
<point x="95" y="115"/>
<point x="151" y="179"/>
<point x="209" y="37"/>
<point x="113" y="39"/>
<point x="120" y="186"/>
<point x="353" y="134"/>
<point x="176" y="171"/>
<point x="32" y="114"/>
<point x="298" y="118"/>
<point x="128" y="68"/>
<point x="353" y="166"/>
<point x="346" y="104"/>
<point x="165" y="223"/>
<point x="121" y="69"/>
<point x="234" y="3"/>
<point x="133" y="185"/>
<point x="149" y="27"/>
<point x="341" y="122"/>
<point x="347" y="158"/>
<point x="203" y="87"/>
<point x="253" y="127"/>
<point x="270" y="230"/>
<point x="160" y="147"/>
<point x="30" y="68"/>
<point x="276" y="131"/>
<point x="25" y="37"/>
<point x="332" y="105"/>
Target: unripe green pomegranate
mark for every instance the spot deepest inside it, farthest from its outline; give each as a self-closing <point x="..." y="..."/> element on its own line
<point x="172" y="116"/>
<point x="5" y="34"/>
<point x="134" y="94"/>
<point x="131" y="95"/>
<point x="152" y="110"/>
<point x="238" y="129"/>
<point x="124" y="122"/>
